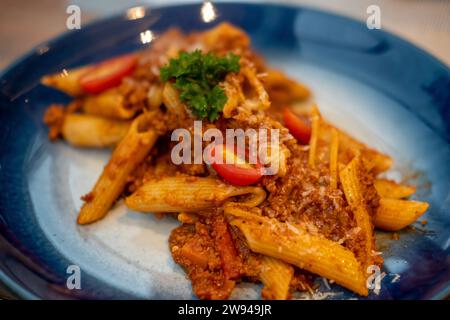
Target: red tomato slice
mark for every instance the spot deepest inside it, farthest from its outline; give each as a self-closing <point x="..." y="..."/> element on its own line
<point x="108" y="74"/>
<point x="236" y="174"/>
<point x="298" y="127"/>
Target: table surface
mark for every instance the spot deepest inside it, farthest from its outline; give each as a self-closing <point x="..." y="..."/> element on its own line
<point x="25" y="24"/>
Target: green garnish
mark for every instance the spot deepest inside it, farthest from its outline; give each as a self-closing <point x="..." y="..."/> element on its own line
<point x="197" y="78"/>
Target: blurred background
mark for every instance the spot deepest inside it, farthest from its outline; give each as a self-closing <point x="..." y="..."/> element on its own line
<point x="27" y="23"/>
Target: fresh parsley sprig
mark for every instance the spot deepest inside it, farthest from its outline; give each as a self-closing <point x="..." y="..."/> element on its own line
<point x="196" y="76"/>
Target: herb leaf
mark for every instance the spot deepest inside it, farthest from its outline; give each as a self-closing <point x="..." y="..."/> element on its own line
<point x="197" y="76"/>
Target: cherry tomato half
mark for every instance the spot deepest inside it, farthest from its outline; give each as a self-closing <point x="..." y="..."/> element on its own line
<point x="108" y="74"/>
<point x="236" y="174"/>
<point x="298" y="127"/>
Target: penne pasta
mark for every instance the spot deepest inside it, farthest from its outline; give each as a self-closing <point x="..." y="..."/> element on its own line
<point x="214" y="39"/>
<point x="233" y="91"/>
<point x="188" y="218"/>
<point x="349" y="147"/>
<point x="351" y="179"/>
<point x="252" y="99"/>
<point x="277" y="160"/>
<point x="282" y="90"/>
<point x="90" y="131"/>
<point x="171" y="100"/>
<point x="188" y="194"/>
<point x="375" y="161"/>
<point x="67" y="81"/>
<point x="315" y="127"/>
<point x="109" y="104"/>
<point x="395" y="214"/>
<point x="296" y="246"/>
<point x="390" y="189"/>
<point x="155" y="96"/>
<point x="282" y="158"/>
<point x="334" y="148"/>
<point x="261" y="94"/>
<point x="276" y="277"/>
<point x="130" y="152"/>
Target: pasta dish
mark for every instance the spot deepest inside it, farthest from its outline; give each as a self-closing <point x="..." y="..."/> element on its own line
<point x="293" y="199"/>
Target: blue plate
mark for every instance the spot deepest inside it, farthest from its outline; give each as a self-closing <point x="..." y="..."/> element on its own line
<point x="378" y="87"/>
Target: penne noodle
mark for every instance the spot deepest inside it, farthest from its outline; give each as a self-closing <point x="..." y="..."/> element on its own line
<point x="109" y="104"/>
<point x="67" y="81"/>
<point x="188" y="194"/>
<point x="155" y="96"/>
<point x="349" y="147"/>
<point x="255" y="83"/>
<point x="130" y="152"/>
<point x="375" y="161"/>
<point x="256" y="198"/>
<point x="282" y="90"/>
<point x="215" y="38"/>
<point x="334" y="148"/>
<point x="315" y="127"/>
<point x="188" y="218"/>
<point x="276" y="277"/>
<point x="395" y="214"/>
<point x="390" y="189"/>
<point x="258" y="98"/>
<point x="282" y="158"/>
<point x="90" y="131"/>
<point x="351" y="179"/>
<point x="296" y="246"/>
<point x="171" y="100"/>
<point x="236" y="209"/>
<point x="278" y="158"/>
<point x="233" y="91"/>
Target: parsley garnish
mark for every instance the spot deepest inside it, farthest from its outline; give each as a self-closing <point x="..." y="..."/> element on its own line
<point x="197" y="77"/>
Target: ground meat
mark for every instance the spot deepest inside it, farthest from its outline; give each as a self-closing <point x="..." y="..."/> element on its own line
<point x="251" y="264"/>
<point x="88" y="197"/>
<point x="193" y="247"/>
<point x="371" y="196"/>
<point x="54" y="119"/>
<point x="193" y="169"/>
<point x="302" y="280"/>
<point x="303" y="196"/>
